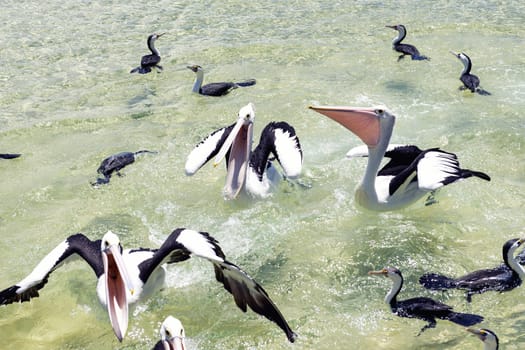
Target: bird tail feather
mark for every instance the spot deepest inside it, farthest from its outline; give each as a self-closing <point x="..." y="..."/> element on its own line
<point x="465" y="320"/>
<point x="145" y="151"/>
<point x="420" y="58"/>
<point x="9" y="155"/>
<point x="468" y="173"/>
<point x="436" y="281"/>
<point x="249" y="82"/>
<point x="483" y="92"/>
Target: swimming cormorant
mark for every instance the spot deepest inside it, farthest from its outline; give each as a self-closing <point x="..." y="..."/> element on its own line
<point x="150" y="61"/>
<point x="421" y="307"/>
<point x="405" y="49"/>
<point x="488" y="337"/>
<point x="214" y="89"/>
<point x="470" y="81"/>
<point x="114" y="163"/>
<point x="9" y="155"/>
<point x="502" y="278"/>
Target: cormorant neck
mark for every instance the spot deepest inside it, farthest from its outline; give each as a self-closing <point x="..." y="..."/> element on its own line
<point x="391" y="297"/>
<point x="400" y="36"/>
<point x="467" y="66"/>
<point x="152" y="48"/>
<point x="511" y="262"/>
<point x="199" y="78"/>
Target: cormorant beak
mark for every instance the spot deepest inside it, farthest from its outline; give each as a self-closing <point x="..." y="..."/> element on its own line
<point x="174" y="343"/>
<point x="480" y="333"/>
<point x="117" y="282"/>
<point x="382" y="272"/>
<point x="393" y="27"/>
<point x="362" y="121"/>
<point x="455" y="54"/>
<point x="239" y="144"/>
<point x="159" y="35"/>
<point x="192" y="68"/>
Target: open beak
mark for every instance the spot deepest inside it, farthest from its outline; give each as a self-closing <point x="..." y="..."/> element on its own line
<point x="175" y="343"/>
<point x="117" y="283"/>
<point x="362" y="121"/>
<point x="239" y="144"/>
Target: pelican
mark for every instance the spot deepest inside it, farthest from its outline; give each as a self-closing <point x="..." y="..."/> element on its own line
<point x="214" y="89"/>
<point x="410" y="174"/>
<point x="172" y="335"/>
<point x="250" y="170"/>
<point x="127" y="276"/>
<point x="488" y="337"/>
<point x="150" y="61"/>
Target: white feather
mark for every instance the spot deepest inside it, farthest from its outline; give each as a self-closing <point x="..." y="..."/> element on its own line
<point x="289" y="154"/>
<point x="434" y="168"/>
<point x="201" y="152"/>
<point x="198" y="244"/>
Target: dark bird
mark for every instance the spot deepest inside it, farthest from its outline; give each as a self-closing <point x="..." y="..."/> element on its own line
<point x="114" y="163"/>
<point x="502" y="278"/>
<point x="470" y="81"/>
<point x="172" y="335"/>
<point x="9" y="155"/>
<point x="423" y="308"/>
<point x="405" y="49"/>
<point x="488" y="337"/>
<point x="214" y="89"/>
<point x="410" y="174"/>
<point x="252" y="171"/>
<point x="127" y="276"/>
<point x="150" y="61"/>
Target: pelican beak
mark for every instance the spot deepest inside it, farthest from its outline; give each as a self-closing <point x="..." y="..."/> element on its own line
<point x="239" y="144"/>
<point x="382" y="272"/>
<point x="362" y="121"/>
<point x="117" y="282"/>
<point x="174" y="343"/>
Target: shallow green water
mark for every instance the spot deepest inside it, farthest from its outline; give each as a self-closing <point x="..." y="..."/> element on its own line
<point x="68" y="101"/>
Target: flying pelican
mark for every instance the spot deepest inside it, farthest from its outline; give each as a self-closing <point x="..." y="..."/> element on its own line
<point x="214" y="89"/>
<point x="411" y="172"/>
<point x="126" y="276"/>
<point x="426" y="309"/>
<point x="171" y="335"/>
<point x="150" y="61"/>
<point x="247" y="169"/>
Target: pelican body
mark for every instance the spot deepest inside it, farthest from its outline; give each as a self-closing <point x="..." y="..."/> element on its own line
<point x="127" y="276"/>
<point x="248" y="170"/>
<point x="172" y="335"/>
<point x="410" y="174"/>
<point x="426" y="309"/>
<point x="405" y="49"/>
<point x="114" y="163"/>
<point x="489" y="338"/>
<point x="150" y="61"/>
<point x="214" y="89"/>
<point x="502" y="278"/>
<point x="470" y="81"/>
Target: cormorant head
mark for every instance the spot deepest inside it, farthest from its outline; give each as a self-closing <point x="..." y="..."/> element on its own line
<point x="398" y="27"/>
<point x="155" y="36"/>
<point x="172" y="334"/>
<point x="462" y="57"/>
<point x="486" y="336"/>
<point x="510" y="247"/>
<point x="390" y="272"/>
<point x="195" y="68"/>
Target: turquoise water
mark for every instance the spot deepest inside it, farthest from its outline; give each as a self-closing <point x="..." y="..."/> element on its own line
<point x="68" y="101"/>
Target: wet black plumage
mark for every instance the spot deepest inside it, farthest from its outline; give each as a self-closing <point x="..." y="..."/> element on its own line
<point x="114" y="163"/>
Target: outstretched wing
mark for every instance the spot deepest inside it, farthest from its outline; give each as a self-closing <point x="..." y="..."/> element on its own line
<point x="245" y="290"/>
<point x="437" y="168"/>
<point x="207" y="149"/>
<point x="28" y="287"/>
<point x="280" y="139"/>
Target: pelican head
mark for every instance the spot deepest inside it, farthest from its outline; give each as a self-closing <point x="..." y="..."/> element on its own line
<point x="238" y="144"/>
<point x="488" y="337"/>
<point x="117" y="283"/>
<point x="172" y="334"/>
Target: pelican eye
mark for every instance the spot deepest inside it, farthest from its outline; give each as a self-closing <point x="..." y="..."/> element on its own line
<point x="380" y="111"/>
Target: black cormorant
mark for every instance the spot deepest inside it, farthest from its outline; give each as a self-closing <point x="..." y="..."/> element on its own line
<point x="488" y="337"/>
<point x="420" y="307"/>
<point x="214" y="89"/>
<point x="114" y="163"/>
<point x="502" y="278"/>
<point x="470" y="81"/>
<point x="150" y="61"/>
<point x="405" y="49"/>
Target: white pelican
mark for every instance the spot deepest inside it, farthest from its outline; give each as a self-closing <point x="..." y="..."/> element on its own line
<point x="126" y="276"/>
<point x="247" y="169"/>
<point x="171" y="335"/>
<point x="411" y="172"/>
